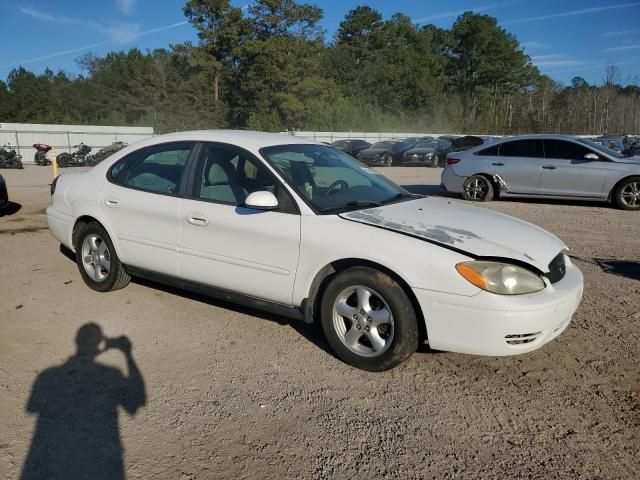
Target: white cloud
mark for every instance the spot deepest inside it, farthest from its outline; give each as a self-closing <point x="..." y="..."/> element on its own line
<point x="572" y="13"/>
<point x="455" y="13"/>
<point x="593" y="67"/>
<point x="620" y="33"/>
<point x="622" y="49"/>
<point x="126" y="6"/>
<point x="118" y="32"/>
<point x="555" y="60"/>
<point x="535" y="45"/>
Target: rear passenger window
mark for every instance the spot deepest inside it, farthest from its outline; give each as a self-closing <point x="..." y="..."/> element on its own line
<point x="159" y="169"/>
<point x="521" y="148"/>
<point x="564" y="150"/>
<point x="491" y="151"/>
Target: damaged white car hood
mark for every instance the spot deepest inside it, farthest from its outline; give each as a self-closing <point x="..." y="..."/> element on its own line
<point x="476" y="231"/>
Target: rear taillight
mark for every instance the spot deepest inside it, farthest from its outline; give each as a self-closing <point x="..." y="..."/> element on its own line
<point x="53" y="185"/>
<point x="452" y="161"/>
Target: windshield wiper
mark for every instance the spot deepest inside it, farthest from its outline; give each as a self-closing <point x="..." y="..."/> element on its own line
<point x="351" y="204"/>
<point x="399" y="196"/>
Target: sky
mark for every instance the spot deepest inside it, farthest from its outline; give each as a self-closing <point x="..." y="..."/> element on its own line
<point x="563" y="38"/>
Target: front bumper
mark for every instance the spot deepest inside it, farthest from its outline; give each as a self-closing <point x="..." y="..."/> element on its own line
<point x="451" y="182"/>
<point x="496" y="325"/>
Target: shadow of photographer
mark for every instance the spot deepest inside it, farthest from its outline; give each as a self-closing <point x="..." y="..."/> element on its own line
<point x="77" y="431"/>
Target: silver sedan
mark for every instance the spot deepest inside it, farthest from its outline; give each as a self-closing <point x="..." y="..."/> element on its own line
<point x="544" y="166"/>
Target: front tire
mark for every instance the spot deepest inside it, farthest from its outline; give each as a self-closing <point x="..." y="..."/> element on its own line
<point x="388" y="160"/>
<point x="477" y="188"/>
<point x="97" y="260"/>
<point x="369" y="320"/>
<point x="627" y="194"/>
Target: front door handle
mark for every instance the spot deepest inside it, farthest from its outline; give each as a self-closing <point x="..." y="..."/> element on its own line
<point x="548" y="167"/>
<point x="197" y="219"/>
<point x="111" y="202"/>
<point x="498" y="164"/>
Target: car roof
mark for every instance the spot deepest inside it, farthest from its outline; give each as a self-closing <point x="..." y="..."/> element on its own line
<point x="238" y="137"/>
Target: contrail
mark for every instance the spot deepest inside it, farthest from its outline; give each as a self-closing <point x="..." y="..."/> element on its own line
<point x="93" y="45"/>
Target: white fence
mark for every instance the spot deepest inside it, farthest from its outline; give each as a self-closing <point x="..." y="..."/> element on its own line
<point x="22" y="136"/>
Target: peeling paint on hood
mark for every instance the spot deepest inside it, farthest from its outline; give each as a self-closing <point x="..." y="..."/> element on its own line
<point x="477" y="231"/>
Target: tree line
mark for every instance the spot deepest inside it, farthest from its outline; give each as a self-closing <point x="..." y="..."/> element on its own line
<point x="271" y="67"/>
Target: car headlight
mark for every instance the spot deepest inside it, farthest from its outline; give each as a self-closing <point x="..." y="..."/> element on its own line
<point x="501" y="278"/>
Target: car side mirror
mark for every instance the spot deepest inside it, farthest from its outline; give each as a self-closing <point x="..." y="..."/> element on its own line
<point x="591" y="156"/>
<point x="262" y="200"/>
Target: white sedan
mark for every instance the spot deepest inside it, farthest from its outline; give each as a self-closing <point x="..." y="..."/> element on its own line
<point x="305" y="231"/>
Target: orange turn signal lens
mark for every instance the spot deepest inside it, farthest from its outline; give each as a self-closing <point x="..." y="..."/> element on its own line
<point x="472" y="276"/>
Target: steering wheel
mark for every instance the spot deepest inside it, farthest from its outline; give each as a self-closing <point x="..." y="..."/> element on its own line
<point x="334" y="186"/>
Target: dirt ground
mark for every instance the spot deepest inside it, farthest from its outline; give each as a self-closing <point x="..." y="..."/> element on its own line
<point x="221" y="391"/>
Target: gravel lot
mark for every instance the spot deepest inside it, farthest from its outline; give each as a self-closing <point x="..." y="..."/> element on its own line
<point x="234" y="393"/>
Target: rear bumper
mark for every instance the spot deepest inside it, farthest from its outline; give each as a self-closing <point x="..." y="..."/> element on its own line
<point x="60" y="226"/>
<point x="450" y="181"/>
<point x="497" y="325"/>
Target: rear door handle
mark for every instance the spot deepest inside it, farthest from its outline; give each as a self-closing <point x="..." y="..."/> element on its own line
<point x="498" y="164"/>
<point x="197" y="219"/>
<point x="111" y="202"/>
<point x="548" y="167"/>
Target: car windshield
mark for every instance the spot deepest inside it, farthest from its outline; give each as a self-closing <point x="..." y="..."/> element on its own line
<point x="600" y="148"/>
<point x="331" y="181"/>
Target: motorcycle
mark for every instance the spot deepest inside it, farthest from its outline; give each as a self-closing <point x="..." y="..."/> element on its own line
<point x="75" y="159"/>
<point x="41" y="154"/>
<point x="100" y="155"/>
<point x="9" y="158"/>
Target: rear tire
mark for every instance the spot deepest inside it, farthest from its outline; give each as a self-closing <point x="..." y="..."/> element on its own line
<point x="627" y="195"/>
<point x="97" y="260"/>
<point x="477" y="188"/>
<point x="369" y="320"/>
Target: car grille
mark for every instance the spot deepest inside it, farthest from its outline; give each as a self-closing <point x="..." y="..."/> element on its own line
<point x="557" y="269"/>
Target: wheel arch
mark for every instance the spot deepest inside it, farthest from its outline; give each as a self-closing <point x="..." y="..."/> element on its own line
<point x="86" y="219"/>
<point x="618" y="183"/>
<point x="311" y="304"/>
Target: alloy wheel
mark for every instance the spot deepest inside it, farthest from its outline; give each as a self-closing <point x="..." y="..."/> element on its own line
<point x="363" y="321"/>
<point x="477" y="189"/>
<point x="96" y="258"/>
<point x="630" y="195"/>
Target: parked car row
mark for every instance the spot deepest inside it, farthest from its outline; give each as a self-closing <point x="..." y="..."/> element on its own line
<point x="545" y="166"/>
<point x="414" y="151"/>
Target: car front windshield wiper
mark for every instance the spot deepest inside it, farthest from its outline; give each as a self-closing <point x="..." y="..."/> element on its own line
<point x="352" y="204"/>
<point x="400" y="196"/>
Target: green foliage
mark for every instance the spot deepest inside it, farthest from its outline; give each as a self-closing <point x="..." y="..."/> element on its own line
<point x="268" y="67"/>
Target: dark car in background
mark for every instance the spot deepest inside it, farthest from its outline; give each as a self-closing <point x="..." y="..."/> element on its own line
<point x="387" y="152"/>
<point x="351" y="146"/>
<point x="425" y="152"/>
<point x="4" y="195"/>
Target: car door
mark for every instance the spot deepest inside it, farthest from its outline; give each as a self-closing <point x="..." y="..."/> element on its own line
<point x="518" y="164"/>
<point x="228" y="246"/>
<point x="566" y="171"/>
<point x="141" y="206"/>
